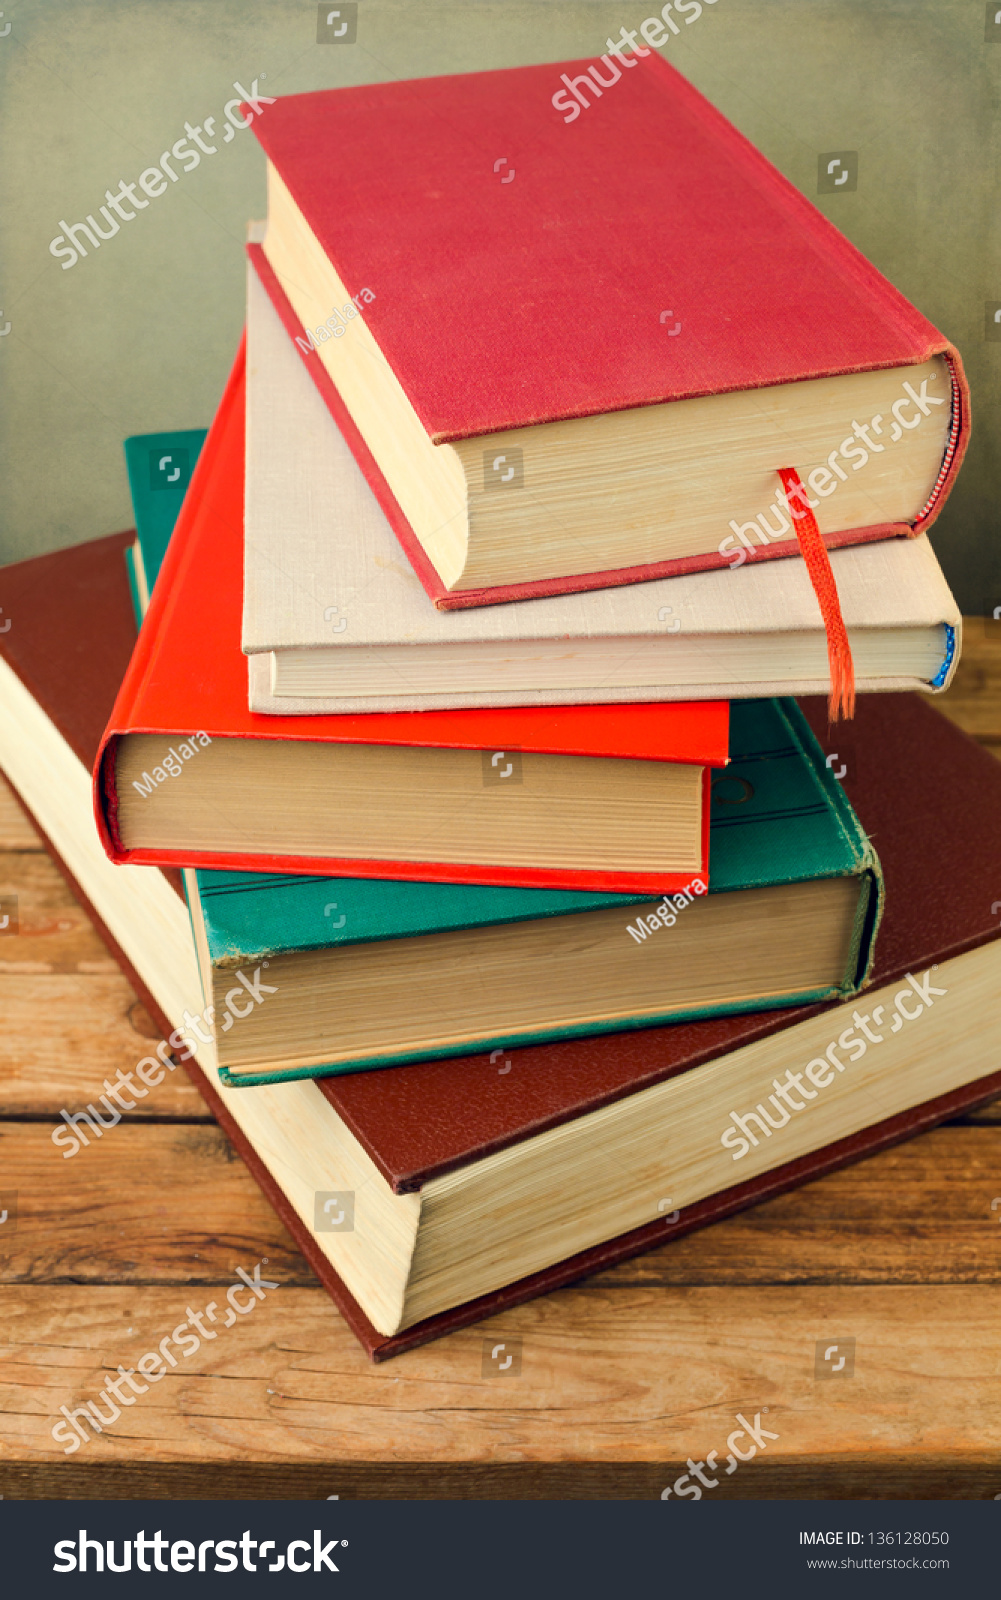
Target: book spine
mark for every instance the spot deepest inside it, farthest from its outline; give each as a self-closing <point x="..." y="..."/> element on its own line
<point x="869" y="912"/>
<point x="162" y="603"/>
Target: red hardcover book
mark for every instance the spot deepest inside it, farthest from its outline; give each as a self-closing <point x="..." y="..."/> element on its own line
<point x="925" y="790"/>
<point x="188" y="675"/>
<point x="503" y="305"/>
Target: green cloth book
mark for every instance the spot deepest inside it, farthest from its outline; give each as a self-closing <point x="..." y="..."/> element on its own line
<point x="307" y="976"/>
<point x="159" y="466"/>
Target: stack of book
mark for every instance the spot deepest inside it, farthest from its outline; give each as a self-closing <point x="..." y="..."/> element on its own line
<point x="458" y="818"/>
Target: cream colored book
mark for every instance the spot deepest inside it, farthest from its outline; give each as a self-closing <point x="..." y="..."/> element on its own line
<point x="335" y="619"/>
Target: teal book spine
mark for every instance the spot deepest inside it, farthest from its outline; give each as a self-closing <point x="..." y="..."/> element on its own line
<point x="778" y="816"/>
<point x="159" y="466"/>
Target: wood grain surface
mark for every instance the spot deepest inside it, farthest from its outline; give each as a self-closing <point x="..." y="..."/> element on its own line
<point x="622" y="1378"/>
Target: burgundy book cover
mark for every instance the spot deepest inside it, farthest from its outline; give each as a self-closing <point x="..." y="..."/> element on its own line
<point x="502" y="305"/>
<point x="927" y="791"/>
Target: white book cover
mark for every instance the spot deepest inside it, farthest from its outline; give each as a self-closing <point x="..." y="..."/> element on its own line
<point x="335" y="620"/>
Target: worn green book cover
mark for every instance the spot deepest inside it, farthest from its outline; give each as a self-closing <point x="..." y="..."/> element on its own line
<point x="779" y="819"/>
<point x="159" y="466"/>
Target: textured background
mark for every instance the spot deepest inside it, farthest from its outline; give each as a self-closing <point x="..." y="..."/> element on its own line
<point x="140" y="335"/>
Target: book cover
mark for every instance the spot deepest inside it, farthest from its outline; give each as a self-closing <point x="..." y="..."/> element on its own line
<point x="323" y="581"/>
<point x="520" y="336"/>
<point x="188" y="675"/>
<point x="427" y="1120"/>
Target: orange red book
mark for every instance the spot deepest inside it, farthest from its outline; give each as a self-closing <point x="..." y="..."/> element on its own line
<point x="185" y="698"/>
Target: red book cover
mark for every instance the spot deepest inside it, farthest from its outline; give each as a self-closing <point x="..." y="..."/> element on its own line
<point x="504" y="305"/>
<point x="188" y="674"/>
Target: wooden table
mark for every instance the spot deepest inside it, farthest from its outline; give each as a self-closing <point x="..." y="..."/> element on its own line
<point x="623" y="1377"/>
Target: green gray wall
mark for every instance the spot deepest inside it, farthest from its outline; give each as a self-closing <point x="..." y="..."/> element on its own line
<point x="140" y="335"/>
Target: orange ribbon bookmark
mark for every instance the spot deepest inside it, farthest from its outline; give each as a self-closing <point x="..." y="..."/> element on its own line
<point x="841" y="701"/>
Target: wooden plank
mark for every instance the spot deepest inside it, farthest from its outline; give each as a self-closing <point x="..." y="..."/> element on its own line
<point x="70" y="1019"/>
<point x="930" y="1475"/>
<point x="166" y="1204"/>
<point x="143" y="1203"/>
<point x="65" y="1033"/>
<point x="53" y="933"/>
<point x="648" y="1375"/>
